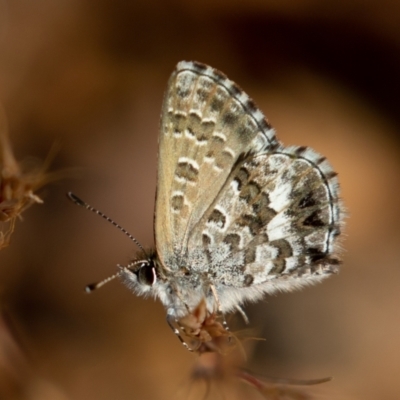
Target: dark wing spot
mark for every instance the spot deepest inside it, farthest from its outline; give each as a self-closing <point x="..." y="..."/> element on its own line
<point x="246" y="130"/>
<point x="307" y="201"/>
<point x="218" y="218"/>
<point x="182" y="91"/>
<point x="275" y="145"/>
<point x="235" y="89"/>
<point x="300" y="150"/>
<point x="260" y="208"/>
<point x="253" y="222"/>
<point x="177" y="132"/>
<point x="206" y="240"/>
<point x="220" y="75"/>
<point x="314" y="220"/>
<point x="177" y="202"/>
<point x="217" y="140"/>
<point x="178" y="121"/>
<point x="217" y="104"/>
<point x="187" y="171"/>
<point x="284" y="248"/>
<point x="279" y="267"/>
<point x="199" y="66"/>
<point x="229" y="118"/>
<point x="250" y="191"/>
<point x="205" y="131"/>
<point x="248" y="280"/>
<point x="241" y="177"/>
<point x="190" y="131"/>
<point x="265" y="126"/>
<point x="194" y="118"/>
<point x="194" y="123"/>
<point x="251" y="106"/>
<point x="315" y="254"/>
<point x="330" y="175"/>
<point x="233" y="240"/>
<point x="250" y="255"/>
<point x="206" y="243"/>
<point x="250" y="252"/>
<point x="202" y="94"/>
<point x="210" y="154"/>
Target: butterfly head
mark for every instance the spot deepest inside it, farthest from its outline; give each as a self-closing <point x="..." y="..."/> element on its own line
<point x="144" y="275"/>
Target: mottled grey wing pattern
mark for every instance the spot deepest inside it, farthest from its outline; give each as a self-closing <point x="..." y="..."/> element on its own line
<point x="233" y="205"/>
<point x="207" y="125"/>
<point x="276" y="220"/>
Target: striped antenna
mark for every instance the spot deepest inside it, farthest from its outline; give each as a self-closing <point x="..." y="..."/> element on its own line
<point x="94" y="286"/>
<point x="75" y="199"/>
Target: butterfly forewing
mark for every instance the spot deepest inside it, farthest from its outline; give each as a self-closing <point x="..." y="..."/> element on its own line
<point x="206" y="127"/>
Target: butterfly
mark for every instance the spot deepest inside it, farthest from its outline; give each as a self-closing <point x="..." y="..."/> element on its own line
<point x="238" y="215"/>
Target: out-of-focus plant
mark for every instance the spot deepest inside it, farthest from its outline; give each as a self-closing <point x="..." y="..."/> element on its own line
<point x="19" y="183"/>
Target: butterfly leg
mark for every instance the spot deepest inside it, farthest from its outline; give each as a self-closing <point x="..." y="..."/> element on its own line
<point x="216" y="298"/>
<point x="243" y="314"/>
<point x="171" y="320"/>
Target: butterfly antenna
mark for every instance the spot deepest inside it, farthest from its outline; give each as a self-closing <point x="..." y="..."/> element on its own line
<point x="94" y="286"/>
<point x="75" y="199"/>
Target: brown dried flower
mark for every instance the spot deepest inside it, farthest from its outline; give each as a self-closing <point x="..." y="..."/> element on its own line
<point x="18" y="185"/>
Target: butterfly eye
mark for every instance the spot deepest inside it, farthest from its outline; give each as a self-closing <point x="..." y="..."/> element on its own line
<point x="147" y="275"/>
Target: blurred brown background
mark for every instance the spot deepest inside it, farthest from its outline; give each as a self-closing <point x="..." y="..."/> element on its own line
<point x="91" y="74"/>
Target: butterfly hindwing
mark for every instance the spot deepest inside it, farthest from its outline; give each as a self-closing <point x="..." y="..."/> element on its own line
<point x="273" y="224"/>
